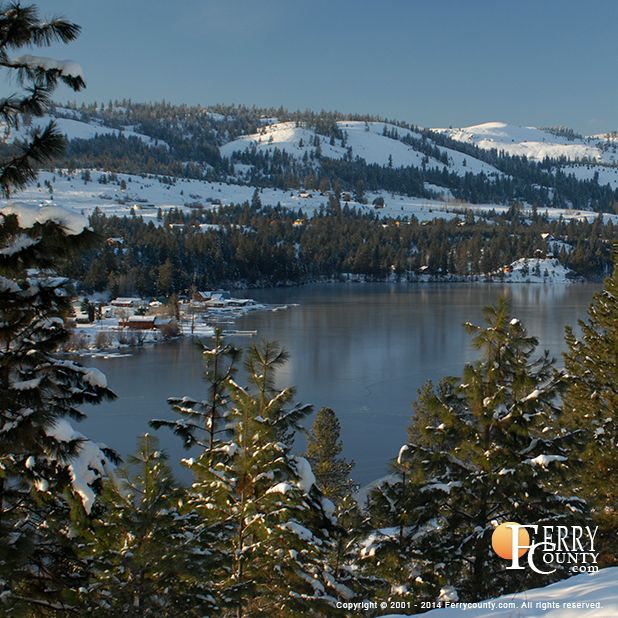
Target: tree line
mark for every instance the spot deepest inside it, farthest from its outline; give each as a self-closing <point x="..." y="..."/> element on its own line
<point x="259" y="245"/>
<point x="261" y="530"/>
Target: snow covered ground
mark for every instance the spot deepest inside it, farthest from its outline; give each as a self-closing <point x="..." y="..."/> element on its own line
<point x="534" y="270"/>
<point x="591" y="595"/>
<point x="75" y="128"/>
<point x="367" y="141"/>
<point x="533" y="143"/>
<point x="144" y="196"/>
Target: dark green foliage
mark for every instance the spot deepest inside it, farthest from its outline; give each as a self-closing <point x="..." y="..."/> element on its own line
<point x="591" y="403"/>
<point x="259" y="509"/>
<point x="324" y="446"/>
<point x="264" y="246"/>
<point x="142" y="551"/>
<point x="39" y="392"/>
<point x="483" y="449"/>
<point x="20" y="26"/>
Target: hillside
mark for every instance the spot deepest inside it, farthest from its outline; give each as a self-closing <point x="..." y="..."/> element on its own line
<point x="536" y="143"/>
<point x="374" y="142"/>
<point x="492" y="163"/>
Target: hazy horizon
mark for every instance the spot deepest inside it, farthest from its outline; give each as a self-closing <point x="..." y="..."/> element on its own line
<point x="439" y="64"/>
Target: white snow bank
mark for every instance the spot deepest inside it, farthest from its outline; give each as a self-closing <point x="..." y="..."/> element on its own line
<point x="527" y="141"/>
<point x="87" y="466"/>
<point x="29" y="214"/>
<point x="596" y="594"/>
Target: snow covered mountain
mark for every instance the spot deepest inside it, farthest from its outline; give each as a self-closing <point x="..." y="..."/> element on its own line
<point x="410" y="168"/>
<point x="374" y="142"/>
<point x="587" y="156"/>
<point x="534" y="143"/>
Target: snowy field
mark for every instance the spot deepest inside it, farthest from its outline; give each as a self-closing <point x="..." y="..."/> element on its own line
<point x="144" y="196"/>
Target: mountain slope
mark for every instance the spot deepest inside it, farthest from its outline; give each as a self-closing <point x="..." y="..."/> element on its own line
<point x="536" y="144"/>
<point x="374" y="142"/>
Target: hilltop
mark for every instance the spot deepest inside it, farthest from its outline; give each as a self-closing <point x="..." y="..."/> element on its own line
<point x="492" y="163"/>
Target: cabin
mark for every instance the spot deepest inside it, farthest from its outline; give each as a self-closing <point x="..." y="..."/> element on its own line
<point x="127" y="302"/>
<point x="140" y="322"/>
<point x="240" y="302"/>
<point x="210" y="294"/>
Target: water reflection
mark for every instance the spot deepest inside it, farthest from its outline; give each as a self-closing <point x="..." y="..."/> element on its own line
<point x="362" y="349"/>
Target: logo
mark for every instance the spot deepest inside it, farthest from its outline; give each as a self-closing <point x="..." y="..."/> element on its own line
<point x="552" y="547"/>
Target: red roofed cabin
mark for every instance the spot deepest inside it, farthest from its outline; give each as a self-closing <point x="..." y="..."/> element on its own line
<point x="140" y="322"/>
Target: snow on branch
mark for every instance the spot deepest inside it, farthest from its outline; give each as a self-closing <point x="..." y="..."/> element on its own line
<point x="66" y="68"/>
<point x="89" y="465"/>
<point x="29" y="215"/>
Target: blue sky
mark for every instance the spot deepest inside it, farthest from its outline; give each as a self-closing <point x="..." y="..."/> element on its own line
<point x="432" y="62"/>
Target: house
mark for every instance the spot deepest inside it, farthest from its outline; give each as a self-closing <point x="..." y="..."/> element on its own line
<point x="240" y="302"/>
<point x="122" y="307"/>
<point x="217" y="301"/>
<point x="140" y="322"/>
<point x="209" y="294"/>
<point x="128" y="302"/>
<point x="346" y="197"/>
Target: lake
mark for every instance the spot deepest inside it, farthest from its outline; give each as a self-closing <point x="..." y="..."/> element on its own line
<point x="361" y="349"/>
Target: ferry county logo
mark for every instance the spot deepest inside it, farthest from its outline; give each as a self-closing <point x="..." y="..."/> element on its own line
<point x="559" y="546"/>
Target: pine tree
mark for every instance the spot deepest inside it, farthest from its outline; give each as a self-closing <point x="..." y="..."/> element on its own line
<point x="46" y="467"/>
<point x="204" y="422"/>
<point x="323" y="448"/>
<point x="20" y="26"/>
<point x="591" y="402"/>
<point x="332" y="475"/>
<point x="482" y="449"/>
<point x="259" y="502"/>
<point x="142" y="551"/>
<point x="43" y="460"/>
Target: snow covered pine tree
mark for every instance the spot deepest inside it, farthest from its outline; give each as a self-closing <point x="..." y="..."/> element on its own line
<point x="591" y="402"/>
<point x="483" y="449"/>
<point x="261" y="513"/>
<point x="45" y="465"/>
<point x="141" y="550"/>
